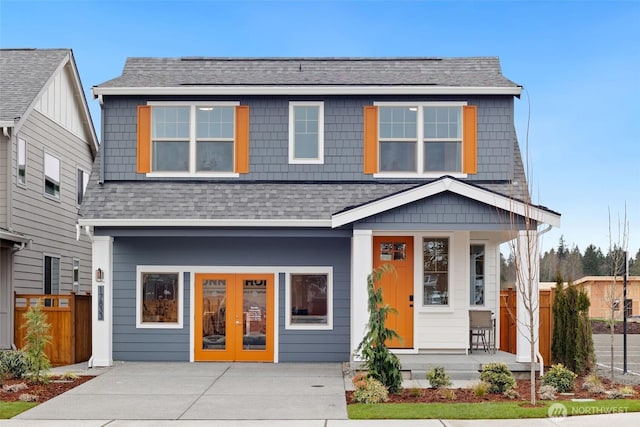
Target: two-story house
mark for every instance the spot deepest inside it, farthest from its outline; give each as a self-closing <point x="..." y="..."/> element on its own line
<point x="47" y="148"/>
<point x="239" y="205"/>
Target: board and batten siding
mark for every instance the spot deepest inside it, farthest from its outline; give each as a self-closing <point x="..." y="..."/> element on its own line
<point x="343" y="137"/>
<point x="131" y="343"/>
<point x="49" y="222"/>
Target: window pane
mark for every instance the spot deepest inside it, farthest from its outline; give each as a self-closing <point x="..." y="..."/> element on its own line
<point x="214" y="156"/>
<point x="214" y="316"/>
<point x="436" y="271"/>
<point x="397" y="156"/>
<point x="215" y="122"/>
<point x="170" y="156"/>
<point x="170" y="122"/>
<point x="397" y="122"/>
<point x="309" y="299"/>
<point x="51" y="175"/>
<point x="22" y="161"/>
<point x="442" y="122"/>
<point x="254" y="307"/>
<point x="476" y="264"/>
<point x="160" y="297"/>
<point x="306" y="126"/>
<point x="442" y="157"/>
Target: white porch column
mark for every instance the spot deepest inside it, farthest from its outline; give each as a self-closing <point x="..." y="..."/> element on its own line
<point x="361" y="266"/>
<point x="102" y="297"/>
<point x="529" y="264"/>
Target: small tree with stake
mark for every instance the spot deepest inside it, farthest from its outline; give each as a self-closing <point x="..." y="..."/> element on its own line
<point x="379" y="361"/>
<point x="37" y="337"/>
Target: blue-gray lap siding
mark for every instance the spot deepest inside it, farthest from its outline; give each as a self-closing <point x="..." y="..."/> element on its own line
<point x="343" y="137"/>
<point x="132" y="344"/>
<point x="444" y="211"/>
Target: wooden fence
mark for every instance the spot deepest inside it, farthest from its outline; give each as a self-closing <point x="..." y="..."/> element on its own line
<point x="70" y="320"/>
<point x="508" y="326"/>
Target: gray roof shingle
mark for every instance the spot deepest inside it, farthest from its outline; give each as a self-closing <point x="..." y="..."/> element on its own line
<point x="23" y="74"/>
<point x="199" y="71"/>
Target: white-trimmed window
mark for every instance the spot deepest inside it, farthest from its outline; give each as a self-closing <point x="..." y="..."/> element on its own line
<point x="436" y="255"/>
<point x="51" y="176"/>
<point x="51" y="274"/>
<point x="22" y="161"/>
<point x="477" y="274"/>
<point x="420" y="138"/>
<point x="306" y="132"/>
<point x="76" y="275"/>
<point x="159" y="296"/>
<point x="82" y="179"/>
<point x="309" y="298"/>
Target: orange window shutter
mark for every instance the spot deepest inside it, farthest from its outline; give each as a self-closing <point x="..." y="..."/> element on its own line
<point x="242" y="139"/>
<point x="370" y="139"/>
<point x="470" y="139"/>
<point x="144" y="139"/>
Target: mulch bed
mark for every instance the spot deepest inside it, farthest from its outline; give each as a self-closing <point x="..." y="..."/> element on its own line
<point x="463" y="395"/>
<point x="600" y="327"/>
<point x="44" y="392"/>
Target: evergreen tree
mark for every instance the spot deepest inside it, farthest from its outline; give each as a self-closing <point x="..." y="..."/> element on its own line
<point x="614" y="265"/>
<point x="559" y="310"/>
<point x="573" y="266"/>
<point x="634" y="265"/>
<point x="592" y="260"/>
<point x="562" y="249"/>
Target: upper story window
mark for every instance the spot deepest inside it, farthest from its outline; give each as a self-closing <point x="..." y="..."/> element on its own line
<point x="306" y="132"/>
<point x="22" y="161"/>
<point x="193" y="139"/>
<point x="51" y="176"/>
<point x="424" y="139"/>
<point x="82" y="179"/>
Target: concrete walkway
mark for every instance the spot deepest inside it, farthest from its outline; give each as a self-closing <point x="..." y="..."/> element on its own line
<point x="233" y="395"/>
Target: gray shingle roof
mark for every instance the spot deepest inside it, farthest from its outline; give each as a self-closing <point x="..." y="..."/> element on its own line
<point x="176" y="72"/>
<point x="23" y="73"/>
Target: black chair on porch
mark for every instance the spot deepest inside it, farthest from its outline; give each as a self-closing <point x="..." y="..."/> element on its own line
<point x="482" y="328"/>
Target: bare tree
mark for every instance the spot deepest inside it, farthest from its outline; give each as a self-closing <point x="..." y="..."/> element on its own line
<point x="618" y="246"/>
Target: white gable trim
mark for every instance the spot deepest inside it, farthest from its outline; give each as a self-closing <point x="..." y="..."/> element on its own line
<point x="436" y="187"/>
<point x="98" y="92"/>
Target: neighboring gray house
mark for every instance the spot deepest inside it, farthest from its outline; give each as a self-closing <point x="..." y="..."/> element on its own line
<point x="47" y="148"/>
<point x="239" y="205"/>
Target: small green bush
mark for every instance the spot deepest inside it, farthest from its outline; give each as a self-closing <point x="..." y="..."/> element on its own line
<point x="627" y="390"/>
<point x="593" y="385"/>
<point x="480" y="389"/>
<point x="498" y="376"/>
<point x="559" y="377"/>
<point x="512" y="393"/>
<point x="438" y="378"/>
<point x="547" y="392"/>
<point x="370" y="390"/>
<point x="14" y="363"/>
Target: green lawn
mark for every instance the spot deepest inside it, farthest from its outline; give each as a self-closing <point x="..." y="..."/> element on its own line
<point x="11" y="409"/>
<point x="488" y="410"/>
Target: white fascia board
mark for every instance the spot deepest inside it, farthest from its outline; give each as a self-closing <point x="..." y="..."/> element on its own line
<point x="307" y="90"/>
<point x="166" y="222"/>
<point x="7" y="123"/>
<point x="436" y="187"/>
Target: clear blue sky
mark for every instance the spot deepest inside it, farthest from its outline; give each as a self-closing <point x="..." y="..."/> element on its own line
<point x="578" y="60"/>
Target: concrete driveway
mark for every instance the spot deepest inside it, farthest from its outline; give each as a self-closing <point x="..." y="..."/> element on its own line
<point x="202" y="391"/>
<point x="602" y="346"/>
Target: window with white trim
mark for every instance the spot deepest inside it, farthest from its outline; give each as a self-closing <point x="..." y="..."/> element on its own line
<point x="193" y="138"/>
<point x="309" y="299"/>
<point x="420" y="138"/>
<point x="22" y="161"/>
<point x="82" y="179"/>
<point x="435" y="271"/>
<point x="159" y="299"/>
<point x="306" y="132"/>
<point x="51" y="176"/>
<point x="76" y="275"/>
<point x="51" y="276"/>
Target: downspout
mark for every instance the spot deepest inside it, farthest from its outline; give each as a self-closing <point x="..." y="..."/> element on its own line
<point x="538" y="354"/>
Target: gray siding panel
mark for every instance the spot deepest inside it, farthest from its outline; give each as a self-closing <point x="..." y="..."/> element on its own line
<point x="444" y="211"/>
<point x="343" y="137"/>
<point x="130" y="343"/>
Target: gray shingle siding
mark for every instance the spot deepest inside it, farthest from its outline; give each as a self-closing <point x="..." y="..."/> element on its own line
<point x="130" y="343"/>
<point x="343" y="139"/>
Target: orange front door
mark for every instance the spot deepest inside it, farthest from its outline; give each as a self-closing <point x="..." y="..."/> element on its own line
<point x="233" y="317"/>
<point x="397" y="289"/>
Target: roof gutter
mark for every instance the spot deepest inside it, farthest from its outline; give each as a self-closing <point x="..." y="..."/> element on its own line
<point x="98" y="91"/>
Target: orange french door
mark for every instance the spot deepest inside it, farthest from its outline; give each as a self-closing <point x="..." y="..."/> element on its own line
<point x="397" y="289"/>
<point x="233" y="317"/>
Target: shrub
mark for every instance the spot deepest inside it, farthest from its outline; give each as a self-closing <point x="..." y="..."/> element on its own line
<point x="615" y="394"/>
<point x="627" y="391"/>
<point x="13" y="388"/>
<point x="13" y="362"/>
<point x="448" y="394"/>
<point x="547" y="392"/>
<point x="480" y="389"/>
<point x="559" y="377"/>
<point x="498" y="376"/>
<point x="28" y="398"/>
<point x="593" y="385"/>
<point x="370" y="390"/>
<point x="69" y="376"/>
<point x="416" y="392"/>
<point x="438" y="377"/>
<point x="512" y="393"/>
